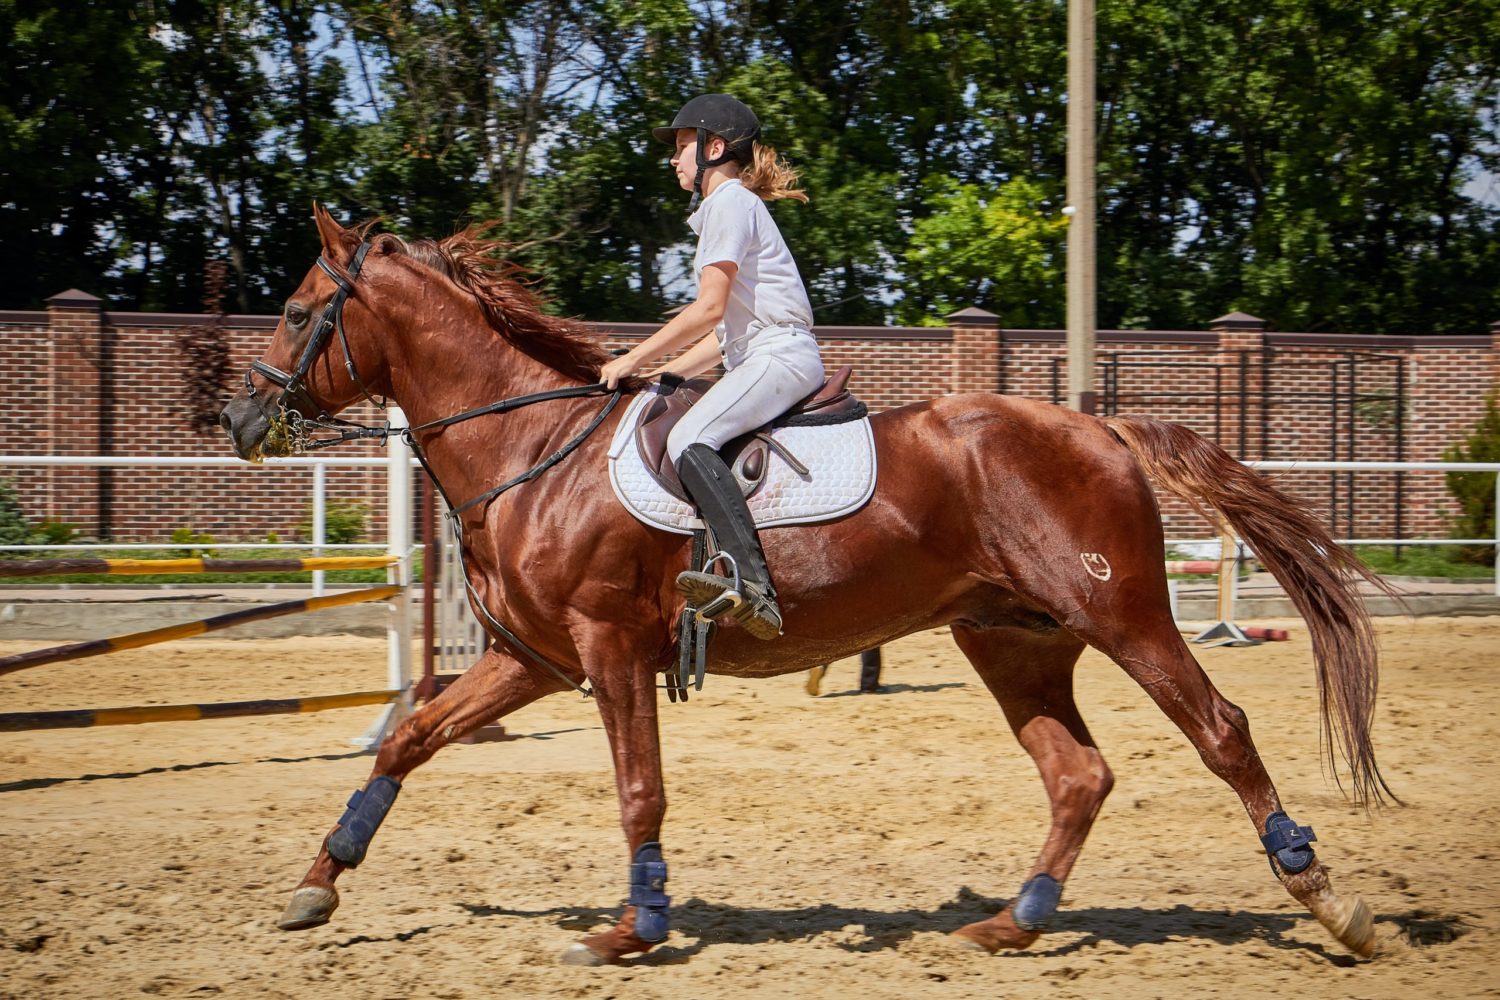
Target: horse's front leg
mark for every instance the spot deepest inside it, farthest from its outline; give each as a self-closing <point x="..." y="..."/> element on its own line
<point x="627" y="704"/>
<point x="496" y="685"/>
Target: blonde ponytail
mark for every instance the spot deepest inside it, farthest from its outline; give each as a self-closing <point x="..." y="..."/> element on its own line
<point x="771" y="177"/>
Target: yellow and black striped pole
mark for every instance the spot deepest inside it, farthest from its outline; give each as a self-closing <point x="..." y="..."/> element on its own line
<point x="96" y="647"/>
<point x="85" y="718"/>
<point x="142" y="567"/>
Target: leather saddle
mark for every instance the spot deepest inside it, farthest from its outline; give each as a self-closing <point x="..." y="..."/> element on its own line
<point x="747" y="455"/>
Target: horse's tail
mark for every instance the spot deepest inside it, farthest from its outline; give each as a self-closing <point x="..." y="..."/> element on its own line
<point x="1318" y="574"/>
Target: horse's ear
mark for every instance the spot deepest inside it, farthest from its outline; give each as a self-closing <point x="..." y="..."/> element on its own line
<point x="331" y="233"/>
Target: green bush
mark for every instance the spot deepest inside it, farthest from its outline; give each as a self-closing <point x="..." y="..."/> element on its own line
<point x="55" y="533"/>
<point x="1475" y="491"/>
<point x="343" y="522"/>
<point x="187" y="536"/>
<point x="1419" y="560"/>
<point x="14" y="529"/>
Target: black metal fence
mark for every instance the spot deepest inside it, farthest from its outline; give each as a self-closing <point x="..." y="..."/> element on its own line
<point x="1287" y="404"/>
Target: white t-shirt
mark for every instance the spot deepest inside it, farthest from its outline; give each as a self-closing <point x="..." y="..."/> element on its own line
<point x="733" y="225"/>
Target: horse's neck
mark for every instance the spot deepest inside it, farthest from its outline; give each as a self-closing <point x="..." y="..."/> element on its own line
<point x="450" y="368"/>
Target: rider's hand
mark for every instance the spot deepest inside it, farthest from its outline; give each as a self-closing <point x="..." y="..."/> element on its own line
<point x="620" y="368"/>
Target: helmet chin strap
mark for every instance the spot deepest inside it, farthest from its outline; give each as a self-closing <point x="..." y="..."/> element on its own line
<point x="703" y="164"/>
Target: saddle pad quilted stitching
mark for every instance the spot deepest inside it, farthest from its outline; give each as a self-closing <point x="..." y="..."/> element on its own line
<point x="841" y="457"/>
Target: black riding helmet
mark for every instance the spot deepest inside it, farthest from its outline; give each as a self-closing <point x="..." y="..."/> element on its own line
<point x="720" y="115"/>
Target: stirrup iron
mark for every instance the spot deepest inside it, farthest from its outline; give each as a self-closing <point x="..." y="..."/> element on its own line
<point x="731" y="599"/>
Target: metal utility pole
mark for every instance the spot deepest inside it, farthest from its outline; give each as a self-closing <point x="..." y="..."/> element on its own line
<point x="1082" y="316"/>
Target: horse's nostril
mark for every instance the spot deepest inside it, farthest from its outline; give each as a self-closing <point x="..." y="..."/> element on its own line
<point x="225" y="422"/>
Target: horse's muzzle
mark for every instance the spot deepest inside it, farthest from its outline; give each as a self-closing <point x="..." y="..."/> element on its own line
<point x="246" y="424"/>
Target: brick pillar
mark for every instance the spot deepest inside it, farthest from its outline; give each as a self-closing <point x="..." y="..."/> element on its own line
<point x="1242" y="338"/>
<point x="975" y="351"/>
<point x="1495" y="355"/>
<point x="76" y="363"/>
<point x="1239" y="332"/>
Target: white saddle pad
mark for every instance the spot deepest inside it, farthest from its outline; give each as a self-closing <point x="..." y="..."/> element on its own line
<point x="841" y="458"/>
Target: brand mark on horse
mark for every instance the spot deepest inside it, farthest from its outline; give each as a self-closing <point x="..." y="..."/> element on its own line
<point x="1096" y="564"/>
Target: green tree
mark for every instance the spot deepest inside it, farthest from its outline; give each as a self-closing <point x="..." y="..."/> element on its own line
<point x="69" y="129"/>
<point x="1000" y="249"/>
<point x="1475" y="491"/>
<point x="1304" y="162"/>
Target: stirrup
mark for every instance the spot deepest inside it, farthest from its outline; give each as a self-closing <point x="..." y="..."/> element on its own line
<point x="714" y="595"/>
<point x="759" y="616"/>
<point x="709" y="596"/>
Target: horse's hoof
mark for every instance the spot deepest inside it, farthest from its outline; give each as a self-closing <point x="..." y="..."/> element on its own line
<point x="311" y="906"/>
<point x="1357" y="932"/>
<point x="581" y="954"/>
<point x="815" y="680"/>
<point x="1348" y="920"/>
<point x="964" y="943"/>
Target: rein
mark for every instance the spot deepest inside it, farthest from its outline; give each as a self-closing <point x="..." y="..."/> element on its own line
<point x="408" y="435"/>
<point x="294" y="428"/>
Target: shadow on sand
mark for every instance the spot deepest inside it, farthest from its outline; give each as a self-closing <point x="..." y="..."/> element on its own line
<point x="26" y="784"/>
<point x="897" y="689"/>
<point x="698" y="924"/>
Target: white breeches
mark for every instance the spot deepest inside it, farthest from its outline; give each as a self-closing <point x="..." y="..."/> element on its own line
<point x="777" y="375"/>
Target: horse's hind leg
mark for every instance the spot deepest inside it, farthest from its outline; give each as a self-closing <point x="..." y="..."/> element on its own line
<point x="496" y="685"/>
<point x="1031" y="676"/>
<point x="1151" y="650"/>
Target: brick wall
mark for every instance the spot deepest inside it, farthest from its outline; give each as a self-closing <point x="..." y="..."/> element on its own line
<point x="81" y="380"/>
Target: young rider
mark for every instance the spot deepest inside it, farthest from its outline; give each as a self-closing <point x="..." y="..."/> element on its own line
<point x="754" y="311"/>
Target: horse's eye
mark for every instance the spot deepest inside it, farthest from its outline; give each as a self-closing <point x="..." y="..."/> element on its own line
<point x="296" y="315"/>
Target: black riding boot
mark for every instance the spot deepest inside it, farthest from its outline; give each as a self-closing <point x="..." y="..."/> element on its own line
<point x="712" y="487"/>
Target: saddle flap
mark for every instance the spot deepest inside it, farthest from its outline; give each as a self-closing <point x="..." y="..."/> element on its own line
<point x="655" y="426"/>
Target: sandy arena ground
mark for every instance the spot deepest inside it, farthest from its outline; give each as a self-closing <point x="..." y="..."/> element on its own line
<point x="819" y="847"/>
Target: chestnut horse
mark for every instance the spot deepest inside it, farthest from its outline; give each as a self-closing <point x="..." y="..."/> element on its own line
<point x="1030" y="530"/>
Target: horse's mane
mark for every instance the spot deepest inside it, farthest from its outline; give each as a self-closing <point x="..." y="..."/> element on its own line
<point x="474" y="263"/>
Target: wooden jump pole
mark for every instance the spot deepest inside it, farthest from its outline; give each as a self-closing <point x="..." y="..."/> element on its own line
<point x="86" y="718"/>
<point x="142" y="567"/>
<point x="1225" y="632"/>
<point x="135" y="640"/>
<point x="397" y="697"/>
<point x="1194" y="567"/>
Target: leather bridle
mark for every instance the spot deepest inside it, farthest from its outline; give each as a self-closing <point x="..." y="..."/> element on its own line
<point x="331" y="321"/>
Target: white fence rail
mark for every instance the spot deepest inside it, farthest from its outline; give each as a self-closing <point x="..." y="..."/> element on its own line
<point x="398" y="463"/>
<point x="320" y="464"/>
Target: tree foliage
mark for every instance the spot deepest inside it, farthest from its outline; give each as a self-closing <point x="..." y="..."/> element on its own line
<point x="1319" y="165"/>
<point x="1475" y="491"/>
